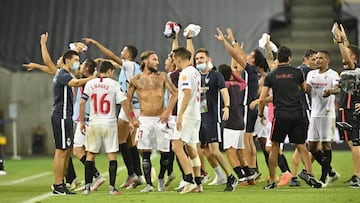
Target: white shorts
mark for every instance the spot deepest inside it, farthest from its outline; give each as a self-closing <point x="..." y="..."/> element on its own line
<point x="234" y="139"/>
<point x="79" y="138"/>
<point x="123" y="116"/>
<point x="98" y="135"/>
<point x="262" y="130"/>
<point x="150" y="134"/>
<point x="321" y="129"/>
<point x="170" y="127"/>
<point x="189" y="133"/>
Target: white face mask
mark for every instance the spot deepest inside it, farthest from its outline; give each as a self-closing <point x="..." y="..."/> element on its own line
<point x="75" y="66"/>
<point x="201" y="66"/>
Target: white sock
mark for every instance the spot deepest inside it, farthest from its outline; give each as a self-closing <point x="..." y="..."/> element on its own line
<point x="219" y="172"/>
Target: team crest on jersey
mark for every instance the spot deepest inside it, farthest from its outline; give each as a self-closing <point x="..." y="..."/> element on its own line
<point x="184" y="78"/>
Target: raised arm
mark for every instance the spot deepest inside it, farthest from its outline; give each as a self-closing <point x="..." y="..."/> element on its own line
<point x="45" y="54"/>
<point x="42" y="68"/>
<point x="107" y="52"/>
<point x="236" y="52"/>
<point x="341" y="39"/>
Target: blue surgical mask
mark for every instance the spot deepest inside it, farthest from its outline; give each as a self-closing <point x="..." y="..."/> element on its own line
<point x="75" y="66"/>
<point x="201" y="66"/>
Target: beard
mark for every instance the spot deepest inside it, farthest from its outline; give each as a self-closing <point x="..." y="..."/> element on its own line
<point x="152" y="69"/>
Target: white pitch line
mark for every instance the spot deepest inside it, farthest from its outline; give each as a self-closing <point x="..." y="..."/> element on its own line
<point x="27" y="178"/>
<point x="46" y="195"/>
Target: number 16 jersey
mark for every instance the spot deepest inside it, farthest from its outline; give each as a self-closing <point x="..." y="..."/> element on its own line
<point x="102" y="93"/>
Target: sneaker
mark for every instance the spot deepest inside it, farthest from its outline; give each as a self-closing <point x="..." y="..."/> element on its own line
<point x="352" y="180"/>
<point x="243" y="183"/>
<point x="231" y="184"/>
<point x="148" y="188"/>
<point x="74" y="184"/>
<point x="99" y="181"/>
<point x="169" y="179"/>
<point x="86" y="189"/>
<point x="205" y="178"/>
<point x="218" y="181"/>
<point x="189" y="187"/>
<point x="199" y="189"/>
<point x="161" y="185"/>
<point x="313" y="182"/>
<point x="355" y="185"/>
<point x="181" y="186"/>
<point x="86" y="192"/>
<point x="270" y="186"/>
<point x="323" y="185"/>
<point x="285" y="178"/>
<point x="2" y="173"/>
<point x="114" y="191"/>
<point x="252" y="182"/>
<point x="331" y="179"/>
<point x="256" y="175"/>
<point x="81" y="188"/>
<point x="303" y="175"/>
<point x="140" y="181"/>
<point x="61" y="190"/>
<point x="129" y="180"/>
<point x="294" y="182"/>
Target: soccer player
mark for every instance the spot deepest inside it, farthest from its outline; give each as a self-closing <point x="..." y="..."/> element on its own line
<point x="188" y="119"/>
<point x="102" y="129"/>
<point x="150" y="87"/>
<point x="127" y="146"/>
<point x="323" y="83"/>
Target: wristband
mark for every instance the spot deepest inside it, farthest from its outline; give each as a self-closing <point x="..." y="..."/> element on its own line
<point x="132" y="114"/>
<point x="261" y="115"/>
<point x="227" y="106"/>
<point x="233" y="42"/>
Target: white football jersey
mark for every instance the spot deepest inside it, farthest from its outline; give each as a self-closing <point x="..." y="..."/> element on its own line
<point x="190" y="78"/>
<point x="322" y="106"/>
<point x="103" y="93"/>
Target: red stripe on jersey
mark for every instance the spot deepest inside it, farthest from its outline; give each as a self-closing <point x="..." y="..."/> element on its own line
<point x="343" y="120"/>
<point x="101" y="79"/>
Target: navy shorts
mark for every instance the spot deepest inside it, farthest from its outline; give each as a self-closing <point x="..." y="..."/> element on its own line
<point x="250" y="119"/>
<point x="293" y="127"/>
<point x="346" y="115"/>
<point x="63" y="132"/>
<point x="209" y="133"/>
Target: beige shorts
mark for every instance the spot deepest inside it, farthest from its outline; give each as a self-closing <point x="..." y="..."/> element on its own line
<point x="98" y="135"/>
<point x="189" y="132"/>
<point x="150" y="134"/>
<point x="234" y="139"/>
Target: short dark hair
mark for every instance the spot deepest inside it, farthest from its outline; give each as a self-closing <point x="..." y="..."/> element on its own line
<point x="283" y="54"/>
<point x="226" y="71"/>
<point x="327" y="54"/>
<point x="183" y="53"/>
<point x="355" y="50"/>
<point x="260" y="60"/>
<point x="203" y="50"/>
<point x="132" y="50"/>
<point x="143" y="56"/>
<point x="91" y="65"/>
<point x="309" y="52"/>
<point x="68" y="55"/>
<point x="105" y="66"/>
